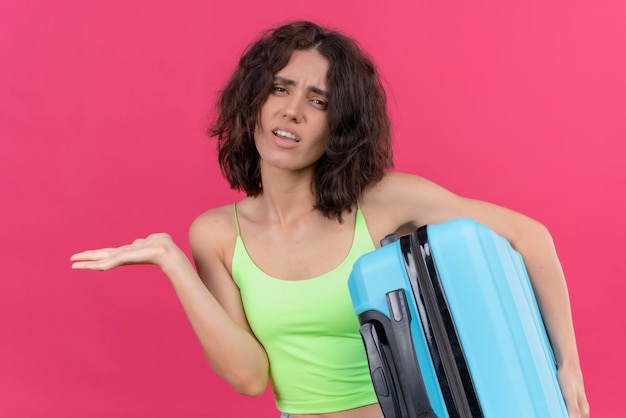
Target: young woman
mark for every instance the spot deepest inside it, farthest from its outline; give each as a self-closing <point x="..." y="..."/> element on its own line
<point x="303" y="130"/>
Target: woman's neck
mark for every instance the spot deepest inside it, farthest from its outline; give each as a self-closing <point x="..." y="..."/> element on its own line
<point x="286" y="195"/>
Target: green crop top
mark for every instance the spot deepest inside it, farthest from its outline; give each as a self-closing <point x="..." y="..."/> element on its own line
<point x="310" y="332"/>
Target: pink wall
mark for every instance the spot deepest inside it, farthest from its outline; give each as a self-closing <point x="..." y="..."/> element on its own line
<point x="103" y="110"/>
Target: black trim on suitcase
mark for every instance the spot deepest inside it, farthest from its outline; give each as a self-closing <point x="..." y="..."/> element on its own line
<point x="382" y="378"/>
<point x="400" y="394"/>
<point x="443" y="341"/>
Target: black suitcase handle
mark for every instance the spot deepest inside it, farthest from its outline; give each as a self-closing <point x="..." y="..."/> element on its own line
<point x="379" y="370"/>
<point x="394" y="368"/>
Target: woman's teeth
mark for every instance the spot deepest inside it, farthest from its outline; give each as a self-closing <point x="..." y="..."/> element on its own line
<point x="287" y="135"/>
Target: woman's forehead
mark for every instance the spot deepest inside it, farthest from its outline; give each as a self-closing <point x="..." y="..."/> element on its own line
<point x="307" y="67"/>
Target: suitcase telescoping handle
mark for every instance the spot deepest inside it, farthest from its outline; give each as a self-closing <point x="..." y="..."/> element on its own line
<point x="404" y="371"/>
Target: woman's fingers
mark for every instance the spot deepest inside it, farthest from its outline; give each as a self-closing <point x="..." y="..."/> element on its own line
<point x="148" y="250"/>
<point x="91" y="254"/>
<point x="102" y="259"/>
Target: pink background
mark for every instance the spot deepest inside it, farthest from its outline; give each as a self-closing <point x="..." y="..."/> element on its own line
<point x="104" y="105"/>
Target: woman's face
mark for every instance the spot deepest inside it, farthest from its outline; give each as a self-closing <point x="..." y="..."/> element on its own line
<point x="293" y="122"/>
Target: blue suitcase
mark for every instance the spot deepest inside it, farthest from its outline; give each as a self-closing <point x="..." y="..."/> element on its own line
<point x="451" y="327"/>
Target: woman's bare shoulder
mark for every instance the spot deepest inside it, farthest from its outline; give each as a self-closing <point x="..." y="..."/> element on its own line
<point x="396" y="191"/>
<point x="396" y="183"/>
<point x="402" y="201"/>
<point x="215" y="216"/>
<point x="214" y="228"/>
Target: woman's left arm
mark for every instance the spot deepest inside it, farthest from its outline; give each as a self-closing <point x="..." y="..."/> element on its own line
<point x="421" y="202"/>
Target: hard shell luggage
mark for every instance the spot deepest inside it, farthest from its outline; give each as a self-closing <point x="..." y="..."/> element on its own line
<point x="451" y="327"/>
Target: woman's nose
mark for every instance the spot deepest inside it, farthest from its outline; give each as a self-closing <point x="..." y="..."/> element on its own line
<point x="293" y="109"/>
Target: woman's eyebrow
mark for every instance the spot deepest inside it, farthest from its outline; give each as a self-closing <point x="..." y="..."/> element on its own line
<point x="289" y="82"/>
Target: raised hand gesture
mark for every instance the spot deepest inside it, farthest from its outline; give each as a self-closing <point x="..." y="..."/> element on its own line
<point x="158" y="249"/>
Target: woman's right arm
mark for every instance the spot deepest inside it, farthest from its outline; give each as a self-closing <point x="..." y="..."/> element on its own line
<point x="209" y="297"/>
<point x="231" y="347"/>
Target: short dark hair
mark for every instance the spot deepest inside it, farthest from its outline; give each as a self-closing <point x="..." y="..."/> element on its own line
<point x="358" y="146"/>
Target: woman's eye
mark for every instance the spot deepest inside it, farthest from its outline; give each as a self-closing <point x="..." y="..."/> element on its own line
<point x="279" y="89"/>
<point x="320" y="103"/>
